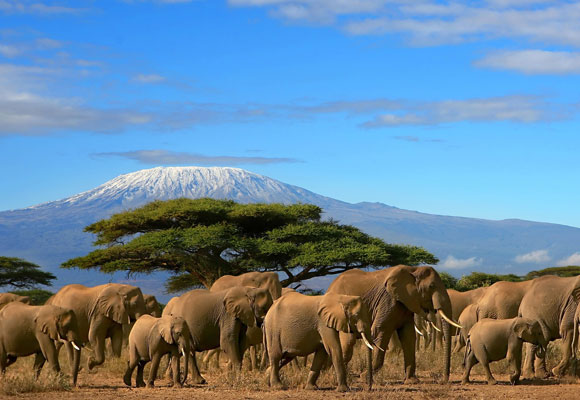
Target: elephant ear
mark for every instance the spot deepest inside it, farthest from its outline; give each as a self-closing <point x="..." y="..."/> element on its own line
<point x="237" y="304"/>
<point x="333" y="311"/>
<point x="112" y="304"/>
<point x="164" y="326"/>
<point x="47" y="323"/>
<point x="402" y="286"/>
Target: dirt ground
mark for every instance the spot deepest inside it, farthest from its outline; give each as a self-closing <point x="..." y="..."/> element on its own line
<point x="105" y="382"/>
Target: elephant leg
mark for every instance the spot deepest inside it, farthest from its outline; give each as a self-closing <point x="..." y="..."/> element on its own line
<point x="347" y="343"/>
<point x="117" y="340"/>
<point x="275" y="358"/>
<point x="253" y="359"/>
<point x="10" y="360"/>
<point x="515" y="360"/>
<point x="140" y="367"/>
<point x="230" y="343"/>
<point x="539" y="364"/>
<point x="528" y="370"/>
<point x="39" y="361"/>
<point x="50" y="354"/>
<point x="339" y="367"/>
<point x="195" y="374"/>
<point x="208" y="357"/>
<point x="566" y="346"/>
<point x="98" y="344"/>
<point x="131" y="364"/>
<point x="175" y="365"/>
<point x="407" y="338"/>
<point x="483" y="359"/>
<point x="318" y="362"/>
<point x="153" y="371"/>
<point x="470" y="361"/>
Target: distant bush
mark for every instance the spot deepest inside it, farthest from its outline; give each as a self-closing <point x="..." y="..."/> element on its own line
<point x="558" y="271"/>
<point x="482" y="279"/>
<point x="37" y="296"/>
<point x="449" y="280"/>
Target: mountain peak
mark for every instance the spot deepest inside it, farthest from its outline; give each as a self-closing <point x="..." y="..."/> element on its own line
<point x="163" y="183"/>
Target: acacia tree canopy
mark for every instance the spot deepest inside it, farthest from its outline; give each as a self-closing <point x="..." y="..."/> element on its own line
<point x="201" y="240"/>
<point x="22" y="274"/>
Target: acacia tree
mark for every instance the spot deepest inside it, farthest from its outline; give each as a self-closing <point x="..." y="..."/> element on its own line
<point x="201" y="240"/>
<point x="22" y="274"/>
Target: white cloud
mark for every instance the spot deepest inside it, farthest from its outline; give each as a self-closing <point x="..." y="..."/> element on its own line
<point x="574" y="259"/>
<point x="537" y="256"/>
<point x="148" y="78"/>
<point x="457" y="263"/>
<point x="9" y="51"/>
<point x="166" y="157"/>
<point x="36" y="7"/>
<point x="533" y="61"/>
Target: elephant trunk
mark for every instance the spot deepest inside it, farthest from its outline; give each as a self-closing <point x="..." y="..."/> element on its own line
<point x="369" y="368"/>
<point x="76" y="365"/>
<point x="186" y="360"/>
<point x="442" y="304"/>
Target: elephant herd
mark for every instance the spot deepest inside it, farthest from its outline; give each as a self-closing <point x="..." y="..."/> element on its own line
<point x="240" y="312"/>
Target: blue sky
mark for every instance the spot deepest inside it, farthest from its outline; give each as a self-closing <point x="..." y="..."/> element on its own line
<point x="456" y="108"/>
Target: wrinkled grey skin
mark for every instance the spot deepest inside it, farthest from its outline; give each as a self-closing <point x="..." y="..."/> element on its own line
<point x="6" y="298"/>
<point x="492" y="340"/>
<point x="299" y="325"/>
<point x="220" y="319"/>
<point x="27" y="330"/>
<point x="393" y="295"/>
<point x="150" y="339"/>
<point x="552" y="301"/>
<point x="101" y="312"/>
<point x="265" y="280"/>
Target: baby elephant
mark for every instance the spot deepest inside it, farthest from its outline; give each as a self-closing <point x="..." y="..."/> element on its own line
<point x="298" y="325"/>
<point x="493" y="340"/>
<point x="150" y="339"/>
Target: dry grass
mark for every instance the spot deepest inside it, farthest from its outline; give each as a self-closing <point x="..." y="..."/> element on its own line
<point x="106" y="381"/>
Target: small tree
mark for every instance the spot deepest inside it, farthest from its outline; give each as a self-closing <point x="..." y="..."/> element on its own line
<point x="449" y="280"/>
<point x="22" y="274"/>
<point x="201" y="240"/>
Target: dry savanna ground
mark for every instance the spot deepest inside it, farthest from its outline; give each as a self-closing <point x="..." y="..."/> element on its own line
<point x="105" y="382"/>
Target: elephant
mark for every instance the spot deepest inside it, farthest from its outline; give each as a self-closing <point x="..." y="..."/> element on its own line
<point x="152" y="307"/>
<point x="265" y="280"/>
<point x="101" y="313"/>
<point x="220" y="319"/>
<point x="493" y="340"/>
<point x="467" y="319"/>
<point x="553" y="301"/>
<point x="27" y="330"/>
<point x="502" y="300"/>
<point x="150" y="339"/>
<point x="298" y="325"/>
<point x="6" y="298"/>
<point x="393" y="295"/>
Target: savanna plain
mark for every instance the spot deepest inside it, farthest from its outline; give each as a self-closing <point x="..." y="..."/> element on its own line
<point x="105" y="382"/>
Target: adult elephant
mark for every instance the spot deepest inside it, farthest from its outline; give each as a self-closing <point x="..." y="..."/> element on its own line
<point x="393" y="295"/>
<point x="6" y="298"/>
<point x="101" y="312"/>
<point x="265" y="280"/>
<point x="459" y="302"/>
<point x="152" y="306"/>
<point x="553" y="302"/>
<point x="220" y="319"/>
<point x="27" y="330"/>
<point x="502" y="300"/>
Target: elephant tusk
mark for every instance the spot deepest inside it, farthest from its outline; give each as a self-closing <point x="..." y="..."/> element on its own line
<point x="434" y="327"/>
<point x="366" y="341"/>
<point x="449" y="320"/>
<point x="417" y="330"/>
<point x="379" y="347"/>
<point x="183" y="352"/>
<point x="75" y="346"/>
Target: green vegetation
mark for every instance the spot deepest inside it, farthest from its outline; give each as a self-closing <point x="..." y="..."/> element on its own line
<point x="37" y="296"/>
<point x="201" y="240"/>
<point x="22" y="274"/>
<point x="480" y="279"/>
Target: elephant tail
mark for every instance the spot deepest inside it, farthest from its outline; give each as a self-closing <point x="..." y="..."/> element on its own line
<point x="467" y="350"/>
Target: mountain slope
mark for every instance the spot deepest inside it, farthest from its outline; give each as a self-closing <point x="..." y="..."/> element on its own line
<point x="51" y="233"/>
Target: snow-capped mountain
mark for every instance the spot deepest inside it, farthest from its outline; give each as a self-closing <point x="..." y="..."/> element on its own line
<point x="51" y="233"/>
